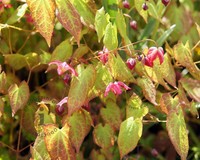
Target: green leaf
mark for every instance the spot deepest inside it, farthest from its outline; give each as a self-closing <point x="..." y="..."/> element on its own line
<point x="160" y="41"/>
<point x="138" y="6"/>
<point x="80" y="52"/>
<point x="178" y="133"/>
<point x="101" y="21"/>
<point x="63" y="51"/>
<point x="111" y="6"/>
<point x="110" y="38"/>
<point x="85" y="12"/>
<point x="39" y="150"/>
<point x="103" y="135"/>
<point x="103" y="78"/>
<point x="16" y="61"/>
<point x="18" y="14"/>
<point x="129" y="135"/>
<point x="134" y="108"/>
<point x="111" y="114"/>
<point x="43" y="13"/>
<point x="148" y="89"/>
<point x="192" y="87"/>
<point x="69" y="18"/>
<point x="18" y="96"/>
<point x="32" y="59"/>
<point x="58" y="143"/>
<point x="80" y="124"/>
<point x="121" y="26"/>
<point x="118" y="68"/>
<point x="183" y="55"/>
<point x="79" y="89"/>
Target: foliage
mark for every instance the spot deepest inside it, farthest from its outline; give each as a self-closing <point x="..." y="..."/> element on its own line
<point x="110" y="79"/>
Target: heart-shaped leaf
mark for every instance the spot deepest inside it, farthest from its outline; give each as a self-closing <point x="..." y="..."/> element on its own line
<point x="18" y="96"/>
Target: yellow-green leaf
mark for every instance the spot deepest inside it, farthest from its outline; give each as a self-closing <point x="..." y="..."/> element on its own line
<point x="129" y="135"/>
<point x="111" y="114"/>
<point x="118" y="68"/>
<point x="138" y="6"/>
<point x="178" y="133"/>
<point x="63" y="51"/>
<point x="110" y="38"/>
<point x="87" y="15"/>
<point x="69" y="18"/>
<point x="16" y="61"/>
<point x="183" y="55"/>
<point x="103" y="135"/>
<point x="134" y="108"/>
<point x="43" y="13"/>
<point x="80" y="124"/>
<point x="80" y="87"/>
<point x="18" y="96"/>
<point x="148" y="89"/>
<point x="101" y="21"/>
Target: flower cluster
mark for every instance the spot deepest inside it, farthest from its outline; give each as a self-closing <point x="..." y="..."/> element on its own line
<point x="4" y="4"/>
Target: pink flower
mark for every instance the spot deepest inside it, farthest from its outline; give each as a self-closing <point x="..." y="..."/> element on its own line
<point x="63" y="67"/>
<point x="131" y="62"/>
<point x="103" y="55"/>
<point x="63" y="101"/>
<point x="116" y="88"/>
<point x="152" y="54"/>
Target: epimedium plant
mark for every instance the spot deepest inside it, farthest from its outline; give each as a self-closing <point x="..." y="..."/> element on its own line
<point x="84" y="79"/>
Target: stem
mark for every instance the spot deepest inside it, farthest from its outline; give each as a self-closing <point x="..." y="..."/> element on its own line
<point x="9" y="41"/>
<point x="17" y="28"/>
<point x="27" y="38"/>
<point x="19" y="136"/>
<point x="196" y="45"/>
<point x="7" y="146"/>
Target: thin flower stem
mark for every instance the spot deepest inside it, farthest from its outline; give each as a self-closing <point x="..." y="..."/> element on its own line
<point x="27" y="38"/>
<point x="7" y="146"/>
<point x="19" y="136"/>
<point x="13" y="27"/>
<point x="196" y="45"/>
<point x="9" y="41"/>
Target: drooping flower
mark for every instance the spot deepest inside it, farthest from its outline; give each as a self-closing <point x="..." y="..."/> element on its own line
<point x="62" y="67"/>
<point x="103" y="55"/>
<point x="152" y="54"/>
<point x="59" y="106"/>
<point x="63" y="101"/>
<point x="131" y="62"/>
<point x="116" y="88"/>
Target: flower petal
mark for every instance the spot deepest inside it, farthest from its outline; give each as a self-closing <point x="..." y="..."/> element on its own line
<point x="63" y="101"/>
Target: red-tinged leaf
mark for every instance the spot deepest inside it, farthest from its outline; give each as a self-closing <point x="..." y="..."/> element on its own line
<point x="39" y="150"/>
<point x="111" y="114"/>
<point x="192" y="87"/>
<point x="148" y="89"/>
<point x="96" y="155"/>
<point x="3" y="82"/>
<point x="1" y="107"/>
<point x="18" y="96"/>
<point x="129" y="135"/>
<point x="178" y="133"/>
<point x="103" y="135"/>
<point x="80" y="123"/>
<point x="43" y="14"/>
<point x="182" y="97"/>
<point x="58" y="142"/>
<point x="134" y="108"/>
<point x="69" y="18"/>
<point x="79" y="89"/>
<point x="118" y="69"/>
<point x="183" y="55"/>
<point x="170" y="104"/>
